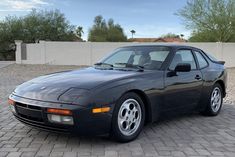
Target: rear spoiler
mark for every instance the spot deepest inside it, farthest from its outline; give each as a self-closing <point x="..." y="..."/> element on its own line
<point x="220" y="62"/>
<point x="214" y="59"/>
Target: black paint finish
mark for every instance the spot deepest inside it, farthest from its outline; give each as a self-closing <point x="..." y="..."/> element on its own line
<point x="83" y="90"/>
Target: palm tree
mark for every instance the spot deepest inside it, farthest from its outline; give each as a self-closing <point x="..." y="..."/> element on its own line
<point x="182" y="36"/>
<point x="79" y="31"/>
<point x="133" y="32"/>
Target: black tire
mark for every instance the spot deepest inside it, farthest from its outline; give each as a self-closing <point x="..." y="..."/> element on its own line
<point x="209" y="111"/>
<point x="116" y="132"/>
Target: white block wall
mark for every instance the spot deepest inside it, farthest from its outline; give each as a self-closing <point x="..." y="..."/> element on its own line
<point x="88" y="53"/>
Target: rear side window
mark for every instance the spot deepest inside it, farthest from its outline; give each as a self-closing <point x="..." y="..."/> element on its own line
<point x="183" y="56"/>
<point x="201" y="60"/>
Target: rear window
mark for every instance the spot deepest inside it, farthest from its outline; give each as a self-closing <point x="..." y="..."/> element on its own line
<point x="212" y="57"/>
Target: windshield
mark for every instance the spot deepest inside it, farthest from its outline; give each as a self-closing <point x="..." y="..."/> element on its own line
<point x="150" y="58"/>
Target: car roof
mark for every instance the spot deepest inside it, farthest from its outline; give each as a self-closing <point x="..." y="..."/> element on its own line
<point x="157" y="45"/>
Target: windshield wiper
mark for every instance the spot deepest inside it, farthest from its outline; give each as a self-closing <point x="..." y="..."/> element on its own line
<point x="131" y="66"/>
<point x="102" y="63"/>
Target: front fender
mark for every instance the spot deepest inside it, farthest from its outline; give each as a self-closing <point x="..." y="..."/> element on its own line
<point x="150" y="92"/>
<point x="110" y="94"/>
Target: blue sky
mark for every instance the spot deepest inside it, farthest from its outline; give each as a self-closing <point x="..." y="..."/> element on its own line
<point x="150" y="18"/>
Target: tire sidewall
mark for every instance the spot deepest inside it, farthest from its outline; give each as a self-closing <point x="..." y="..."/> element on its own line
<point x="209" y="101"/>
<point x="116" y="133"/>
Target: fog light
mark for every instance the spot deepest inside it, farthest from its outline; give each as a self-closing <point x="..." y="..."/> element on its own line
<point x="60" y="119"/>
<point x="12" y="108"/>
<point x="12" y="105"/>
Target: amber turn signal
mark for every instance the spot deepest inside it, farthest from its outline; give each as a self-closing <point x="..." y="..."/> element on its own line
<point x="100" y="110"/>
<point x="59" y="111"/>
<point x="11" y="102"/>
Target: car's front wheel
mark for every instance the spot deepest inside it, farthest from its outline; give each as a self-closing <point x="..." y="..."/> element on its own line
<point x="128" y="118"/>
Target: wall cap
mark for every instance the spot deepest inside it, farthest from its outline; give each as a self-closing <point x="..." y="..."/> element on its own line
<point x="18" y="41"/>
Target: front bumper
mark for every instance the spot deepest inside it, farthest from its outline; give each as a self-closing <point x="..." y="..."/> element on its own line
<point x="33" y="113"/>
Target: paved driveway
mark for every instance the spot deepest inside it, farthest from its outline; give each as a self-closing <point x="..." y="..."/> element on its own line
<point x="191" y="135"/>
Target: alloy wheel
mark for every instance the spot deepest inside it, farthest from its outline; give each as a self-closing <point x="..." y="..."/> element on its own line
<point x="129" y="117"/>
<point x="216" y="99"/>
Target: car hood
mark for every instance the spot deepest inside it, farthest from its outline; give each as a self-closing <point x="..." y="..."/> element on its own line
<point x="50" y="87"/>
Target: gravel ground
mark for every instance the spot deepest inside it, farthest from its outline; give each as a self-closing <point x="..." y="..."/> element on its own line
<point x="189" y="135"/>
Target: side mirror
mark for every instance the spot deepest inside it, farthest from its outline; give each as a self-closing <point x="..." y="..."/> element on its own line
<point x="183" y="67"/>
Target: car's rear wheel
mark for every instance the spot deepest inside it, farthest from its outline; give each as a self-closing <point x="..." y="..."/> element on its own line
<point x="128" y="118"/>
<point x="215" y="101"/>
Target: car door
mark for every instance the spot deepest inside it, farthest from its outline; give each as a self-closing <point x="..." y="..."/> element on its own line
<point x="182" y="90"/>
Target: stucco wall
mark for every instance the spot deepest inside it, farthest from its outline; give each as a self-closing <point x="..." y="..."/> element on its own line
<point x="87" y="53"/>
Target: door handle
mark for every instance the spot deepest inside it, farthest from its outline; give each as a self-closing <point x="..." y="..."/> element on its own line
<point x="197" y="77"/>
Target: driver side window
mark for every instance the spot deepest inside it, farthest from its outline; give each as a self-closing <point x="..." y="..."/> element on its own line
<point x="183" y="56"/>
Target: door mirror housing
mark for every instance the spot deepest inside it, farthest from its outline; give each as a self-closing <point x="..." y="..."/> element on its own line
<point x="183" y="67"/>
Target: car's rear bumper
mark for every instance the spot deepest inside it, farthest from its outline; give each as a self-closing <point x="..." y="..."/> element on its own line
<point x="33" y="113"/>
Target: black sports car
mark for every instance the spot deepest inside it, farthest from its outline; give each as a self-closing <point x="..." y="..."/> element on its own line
<point x="118" y="95"/>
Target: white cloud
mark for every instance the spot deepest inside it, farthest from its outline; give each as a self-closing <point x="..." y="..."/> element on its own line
<point x="21" y="5"/>
<point x="152" y="31"/>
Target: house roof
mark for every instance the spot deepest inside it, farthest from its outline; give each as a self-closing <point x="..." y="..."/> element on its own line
<point x="157" y="40"/>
